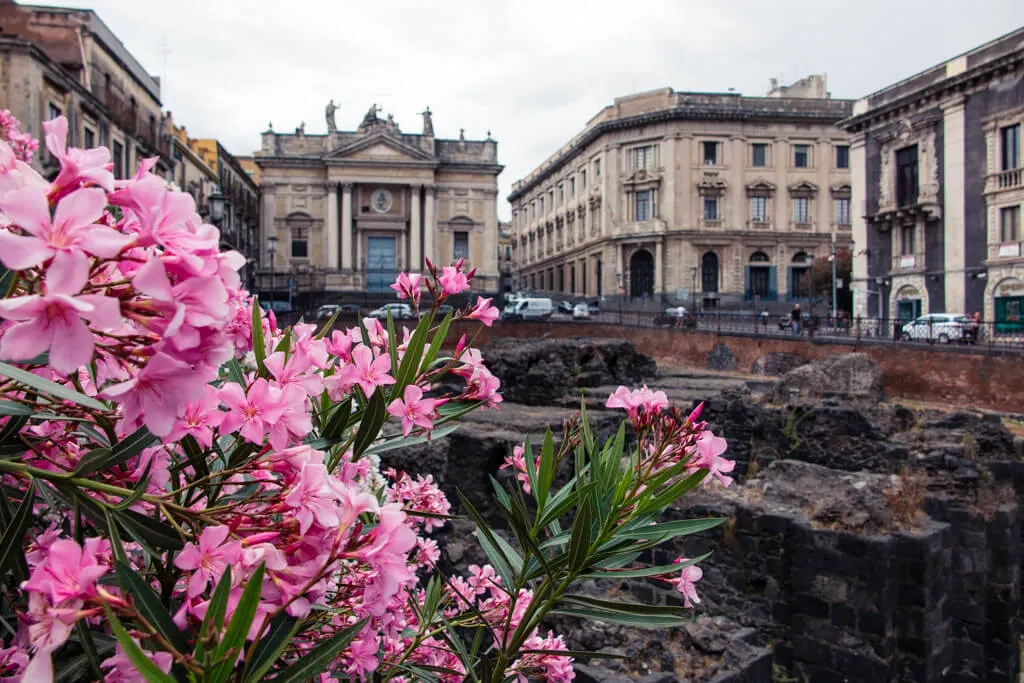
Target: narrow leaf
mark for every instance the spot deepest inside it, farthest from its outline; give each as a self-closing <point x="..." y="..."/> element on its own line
<point x="579" y="541"/>
<point x="234" y="638"/>
<point x="12" y="408"/>
<point x="147" y="602"/>
<point x="214" y="619"/>
<point x="49" y="388"/>
<point x="142" y="662"/>
<point x="666" y="530"/>
<point x="318" y="659"/>
<point x="126" y="448"/>
<point x="11" y="542"/>
<point x="270" y="647"/>
<point x="259" y="346"/>
<point x="369" y="426"/>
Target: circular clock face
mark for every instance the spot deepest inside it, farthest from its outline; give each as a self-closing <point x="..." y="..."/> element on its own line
<point x="381" y="201"/>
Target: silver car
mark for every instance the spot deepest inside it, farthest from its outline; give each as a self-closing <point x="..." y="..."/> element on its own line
<point x="940" y="327"/>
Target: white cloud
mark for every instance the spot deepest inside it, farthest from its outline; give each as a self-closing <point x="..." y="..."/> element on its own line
<point x="531" y="71"/>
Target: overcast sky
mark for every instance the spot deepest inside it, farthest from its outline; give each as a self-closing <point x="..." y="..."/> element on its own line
<point x="530" y="71"/>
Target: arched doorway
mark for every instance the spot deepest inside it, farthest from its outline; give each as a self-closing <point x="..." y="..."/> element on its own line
<point x="908" y="302"/>
<point x="760" y="285"/>
<point x="641" y="274"/>
<point x="1008" y="306"/>
<point x="709" y="273"/>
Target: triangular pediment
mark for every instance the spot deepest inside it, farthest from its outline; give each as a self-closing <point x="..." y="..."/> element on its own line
<point x="380" y="148"/>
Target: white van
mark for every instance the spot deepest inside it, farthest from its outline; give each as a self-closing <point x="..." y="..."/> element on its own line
<point x="529" y="309"/>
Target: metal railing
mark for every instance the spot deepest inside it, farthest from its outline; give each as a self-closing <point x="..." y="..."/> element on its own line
<point x="981" y="336"/>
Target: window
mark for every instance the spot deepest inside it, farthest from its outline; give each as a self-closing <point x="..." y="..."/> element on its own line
<point x="643" y="158"/>
<point x="551" y="199"/>
<point x="118" y="160"/>
<point x="801" y="210"/>
<point x="643" y="205"/>
<point x="1009" y="147"/>
<point x="53" y="111"/>
<point x="907" y="240"/>
<point x="597" y="168"/>
<point x="300" y="241"/>
<point x="842" y="156"/>
<point x="460" y="248"/>
<point x="710" y="153"/>
<point x="801" y="156"/>
<point x="90" y="139"/>
<point x="1009" y="219"/>
<point x="759" y="154"/>
<point x="711" y="208"/>
<point x="759" y="209"/>
<point x="542" y="206"/>
<point x="561" y="193"/>
<point x="842" y="212"/>
<point x="583" y="179"/>
<point x="572" y="187"/>
<point x="906" y="176"/>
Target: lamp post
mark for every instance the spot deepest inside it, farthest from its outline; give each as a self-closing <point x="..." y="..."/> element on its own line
<point x="810" y="284"/>
<point x="621" y="291"/>
<point x="216" y="206"/>
<point x="832" y="258"/>
<point x="271" y="248"/>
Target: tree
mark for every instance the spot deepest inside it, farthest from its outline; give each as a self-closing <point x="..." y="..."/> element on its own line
<point x="821" y="278"/>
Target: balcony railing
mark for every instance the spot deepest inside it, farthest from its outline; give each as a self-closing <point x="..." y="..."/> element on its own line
<point x="1005" y="180"/>
<point x="759" y="224"/>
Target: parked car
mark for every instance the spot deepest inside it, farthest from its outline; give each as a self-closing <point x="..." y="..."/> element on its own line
<point x="580" y="311"/>
<point x="351" y="309"/>
<point x="276" y="306"/>
<point x="940" y="327"/>
<point x="529" y="309"/>
<point x="398" y="312"/>
<point x="566" y="307"/>
<point x="594" y="306"/>
<point x="326" y="311"/>
<point x="442" y="311"/>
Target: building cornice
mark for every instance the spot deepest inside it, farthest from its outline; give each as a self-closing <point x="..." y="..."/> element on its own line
<point x="689" y="111"/>
<point x="936" y="93"/>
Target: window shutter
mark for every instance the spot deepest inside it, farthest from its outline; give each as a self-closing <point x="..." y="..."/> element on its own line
<point x="772" y="293"/>
<point x="746" y="283"/>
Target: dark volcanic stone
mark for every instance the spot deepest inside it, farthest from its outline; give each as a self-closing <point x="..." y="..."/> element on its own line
<point x="848" y="375"/>
<point x="777" y="363"/>
<point x="721" y="359"/>
<point x="546" y="371"/>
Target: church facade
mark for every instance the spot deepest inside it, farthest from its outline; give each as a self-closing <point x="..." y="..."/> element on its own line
<point x="357" y="207"/>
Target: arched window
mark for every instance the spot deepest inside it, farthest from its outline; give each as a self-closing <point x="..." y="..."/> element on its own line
<point x="298" y="231"/>
<point x="799" y="276"/>
<point x="759" y="257"/>
<point x="709" y="273"/>
<point x="759" y="278"/>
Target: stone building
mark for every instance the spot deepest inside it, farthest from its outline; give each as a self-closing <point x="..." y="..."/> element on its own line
<point x="240" y="223"/>
<point x="60" y="61"/>
<point x="505" y="277"/>
<point x="193" y="173"/>
<point x="672" y="196"/>
<point x="939" y="187"/>
<point x="357" y="207"/>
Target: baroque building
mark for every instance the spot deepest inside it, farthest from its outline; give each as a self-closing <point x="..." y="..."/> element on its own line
<point x="670" y="195"/>
<point x="61" y="61"/>
<point x="356" y="207"/>
<point x="939" y="190"/>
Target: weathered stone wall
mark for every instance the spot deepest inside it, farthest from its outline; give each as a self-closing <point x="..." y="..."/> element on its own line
<point x="951" y="375"/>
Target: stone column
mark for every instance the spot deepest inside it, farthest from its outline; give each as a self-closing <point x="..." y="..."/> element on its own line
<point x="658" y="270"/>
<point x="859" y="230"/>
<point x="415" y="230"/>
<point x="346" y="227"/>
<point x="953" y="209"/>
<point x="430" y="227"/>
<point x="331" y="260"/>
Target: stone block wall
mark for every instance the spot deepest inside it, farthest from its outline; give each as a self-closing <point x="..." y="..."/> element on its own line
<point x="938" y="603"/>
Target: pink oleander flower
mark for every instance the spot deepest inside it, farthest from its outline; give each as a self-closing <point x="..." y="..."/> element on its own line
<point x="517" y="462"/>
<point x="158" y="393"/>
<point x="13" y="661"/>
<point x="633" y="401"/>
<point x="413" y="409"/>
<point x="484" y="312"/>
<point x="69" y="571"/>
<point x="708" y="456"/>
<point x="362" y="656"/>
<point x="252" y="412"/>
<point x="208" y="559"/>
<point x="366" y="371"/>
<point x="121" y="669"/>
<point x="408" y="286"/>
<point x="294" y="373"/>
<point x="549" y="667"/>
<point x="294" y="422"/>
<point x="77" y="165"/>
<point x="199" y="419"/>
<point x="452" y="281"/>
<point x="340" y="345"/>
<point x="686" y="582"/>
<point x="54" y="321"/>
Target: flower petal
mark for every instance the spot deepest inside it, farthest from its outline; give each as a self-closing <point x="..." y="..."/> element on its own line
<point x="18" y="252"/>
<point x="28" y="209"/>
<point x="68" y="273"/>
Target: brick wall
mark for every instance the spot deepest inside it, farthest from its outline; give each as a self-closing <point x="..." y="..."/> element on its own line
<point x="950" y="375"/>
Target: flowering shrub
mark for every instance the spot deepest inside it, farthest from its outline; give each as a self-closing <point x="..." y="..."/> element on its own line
<point x="191" y="493"/>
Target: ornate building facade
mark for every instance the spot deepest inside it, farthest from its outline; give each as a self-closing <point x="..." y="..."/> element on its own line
<point x="677" y="196"/>
<point x="939" y="190"/>
<point x="357" y="207"/>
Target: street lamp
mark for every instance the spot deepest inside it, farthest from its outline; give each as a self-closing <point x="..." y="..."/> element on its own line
<point x="621" y="292"/>
<point x="832" y="258"/>
<point x="271" y="248"/>
<point x="216" y="206"/>
<point x="810" y="287"/>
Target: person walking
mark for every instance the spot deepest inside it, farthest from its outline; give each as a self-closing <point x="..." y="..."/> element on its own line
<point x="795" y="318"/>
<point x="764" y="320"/>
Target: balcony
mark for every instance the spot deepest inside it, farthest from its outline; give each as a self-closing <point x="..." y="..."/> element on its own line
<point x="759" y="224"/>
<point x="800" y="226"/>
<point x="1004" y="180"/>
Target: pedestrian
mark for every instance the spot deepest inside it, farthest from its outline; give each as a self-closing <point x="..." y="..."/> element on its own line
<point x="764" y="319"/>
<point x="680" y="315"/>
<point x="795" y="318"/>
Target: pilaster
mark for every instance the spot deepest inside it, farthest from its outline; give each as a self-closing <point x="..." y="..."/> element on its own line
<point x="953" y="206"/>
<point x="331" y="228"/>
<point x="415" y="229"/>
<point x="346" y="227"/>
<point x="430" y="226"/>
<point x="859" y="229"/>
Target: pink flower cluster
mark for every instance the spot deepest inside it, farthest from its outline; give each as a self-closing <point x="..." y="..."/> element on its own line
<point x="22" y="144"/>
